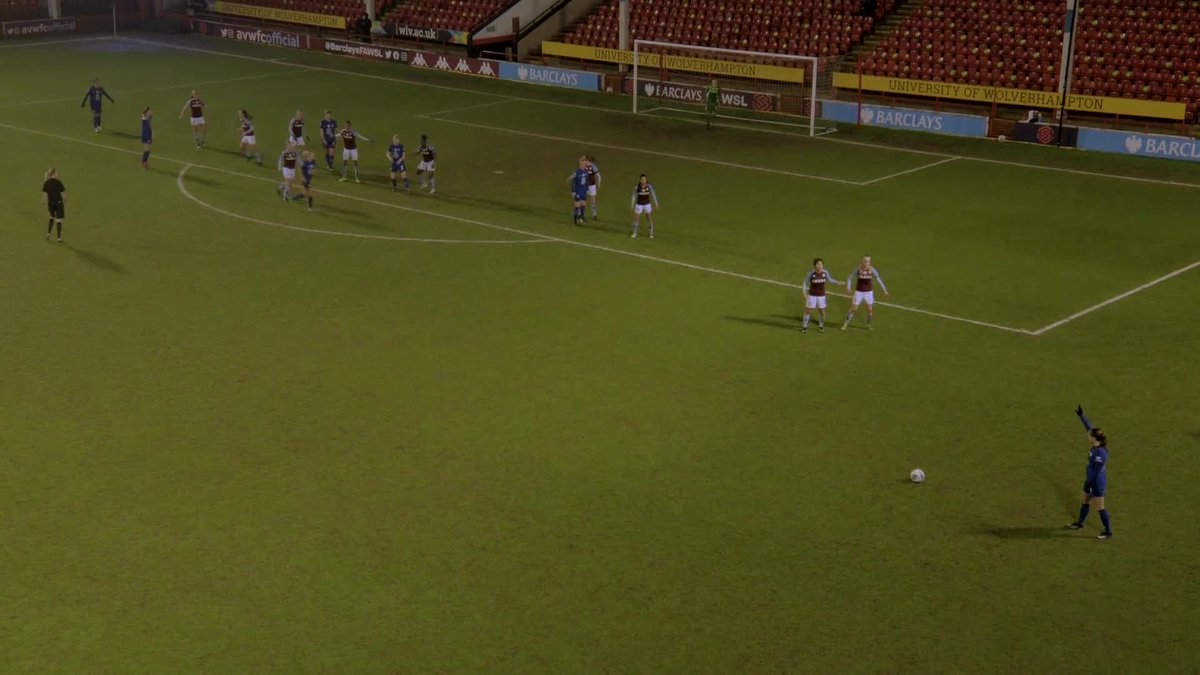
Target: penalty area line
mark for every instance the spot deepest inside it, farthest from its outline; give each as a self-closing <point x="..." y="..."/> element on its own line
<point x="525" y="233"/>
<point x="1116" y="298"/>
<point x="908" y="171"/>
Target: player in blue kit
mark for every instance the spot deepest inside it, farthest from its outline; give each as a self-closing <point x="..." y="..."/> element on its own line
<point x="329" y="136"/>
<point x="395" y="155"/>
<point x="307" y="168"/>
<point x="95" y="96"/>
<point x="147" y="136"/>
<point x="1096" y="482"/>
<point x="579" y="190"/>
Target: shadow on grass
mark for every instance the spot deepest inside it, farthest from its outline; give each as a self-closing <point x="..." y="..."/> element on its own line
<point x="769" y="322"/>
<point x="1022" y="532"/>
<point x="97" y="260"/>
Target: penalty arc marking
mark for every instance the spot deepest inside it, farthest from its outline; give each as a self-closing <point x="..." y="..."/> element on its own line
<point x="179" y="182"/>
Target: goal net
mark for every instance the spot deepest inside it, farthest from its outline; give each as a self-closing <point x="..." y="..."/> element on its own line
<point x="757" y="90"/>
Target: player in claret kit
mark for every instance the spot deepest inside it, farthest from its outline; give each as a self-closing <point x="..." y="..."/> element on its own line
<point x="395" y="155"/>
<point x="249" y="143"/>
<point x="350" y="139"/>
<point x="296" y="129"/>
<point x="196" y="106"/>
<point x="287" y="166"/>
<point x="95" y="97"/>
<point x="645" y="200"/>
<point x="814" y="294"/>
<point x="593" y="185"/>
<point x="329" y="127"/>
<point x="428" y="163"/>
<point x="862" y="282"/>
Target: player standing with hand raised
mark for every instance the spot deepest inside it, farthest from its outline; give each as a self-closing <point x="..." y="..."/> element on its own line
<point x="199" y="128"/>
<point x="350" y="139"/>
<point x="1096" y="482"/>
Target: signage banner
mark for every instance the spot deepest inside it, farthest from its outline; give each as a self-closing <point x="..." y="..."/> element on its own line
<point x="1142" y="145"/>
<point x="365" y="51"/>
<point x="552" y="77"/>
<point x="275" y="38"/>
<point x="452" y="63"/>
<point x="278" y="14"/>
<point x="1045" y="134"/>
<point x="693" y="93"/>
<point x="407" y="32"/>
<point x="1046" y="100"/>
<point x="905" y="118"/>
<point x="676" y="62"/>
<point x="13" y="29"/>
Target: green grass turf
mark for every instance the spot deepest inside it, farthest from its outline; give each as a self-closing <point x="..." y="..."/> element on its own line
<point x="234" y="447"/>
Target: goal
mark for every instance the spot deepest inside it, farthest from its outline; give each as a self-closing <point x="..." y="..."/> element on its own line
<point x="760" y="91"/>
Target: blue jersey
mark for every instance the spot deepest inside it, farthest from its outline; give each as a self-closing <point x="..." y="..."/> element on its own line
<point x="396" y="155"/>
<point x="147" y="131"/>
<point x="306" y="170"/>
<point x="95" y="96"/>
<point x="579" y="183"/>
<point x="1097" y="458"/>
<point x="329" y="133"/>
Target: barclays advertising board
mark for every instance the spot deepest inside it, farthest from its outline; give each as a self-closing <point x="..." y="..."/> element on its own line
<point x="905" y="118"/>
<point x="551" y="77"/>
<point x="1142" y="145"/>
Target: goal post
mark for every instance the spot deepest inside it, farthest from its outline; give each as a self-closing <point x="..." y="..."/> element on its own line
<point x="758" y="90"/>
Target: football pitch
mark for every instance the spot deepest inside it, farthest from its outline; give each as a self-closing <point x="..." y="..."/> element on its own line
<point x="454" y="433"/>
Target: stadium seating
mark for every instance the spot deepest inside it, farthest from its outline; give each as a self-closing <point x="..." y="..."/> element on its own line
<point x="16" y="10"/>
<point x="351" y="9"/>
<point x="445" y="14"/>
<point x="806" y="27"/>
<point x="1146" y="50"/>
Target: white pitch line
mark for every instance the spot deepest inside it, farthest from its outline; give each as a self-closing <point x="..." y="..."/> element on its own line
<point x="643" y="151"/>
<point x="1116" y="298"/>
<point x="546" y="102"/>
<point x="526" y="233"/>
<point x="485" y="104"/>
<point x="354" y="235"/>
<point x="908" y="171"/>
<point x="21" y="104"/>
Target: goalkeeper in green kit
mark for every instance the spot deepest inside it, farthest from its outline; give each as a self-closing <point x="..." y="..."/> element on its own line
<point x="712" y="98"/>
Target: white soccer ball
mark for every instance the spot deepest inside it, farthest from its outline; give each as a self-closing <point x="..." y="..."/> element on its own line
<point x="917" y="476"/>
<point x="1002" y="137"/>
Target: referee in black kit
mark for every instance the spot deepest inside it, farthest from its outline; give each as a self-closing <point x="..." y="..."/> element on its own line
<point x="52" y="197"/>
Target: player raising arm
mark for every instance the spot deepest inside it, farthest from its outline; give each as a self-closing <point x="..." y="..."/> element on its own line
<point x="579" y="190"/>
<point x="643" y="195"/>
<point x="199" y="129"/>
<point x="52" y="197"/>
<point x="350" y="139"/>
<point x="862" y="282"/>
<point x="329" y="128"/>
<point x="249" y="144"/>
<point x="395" y="155"/>
<point x="95" y="96"/>
<point x="428" y="163"/>
<point x="814" y="294"/>
<point x="1096" y="482"/>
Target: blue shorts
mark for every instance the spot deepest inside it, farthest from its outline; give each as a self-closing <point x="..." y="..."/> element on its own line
<point x="581" y="196"/>
<point x="1095" y="488"/>
<point x="307" y="181"/>
<point x="97" y="109"/>
<point x="398" y="167"/>
<point x="147" y="141"/>
<point x="328" y="143"/>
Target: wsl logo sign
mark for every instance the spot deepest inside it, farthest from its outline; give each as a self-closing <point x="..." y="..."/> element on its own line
<point x="691" y="93"/>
